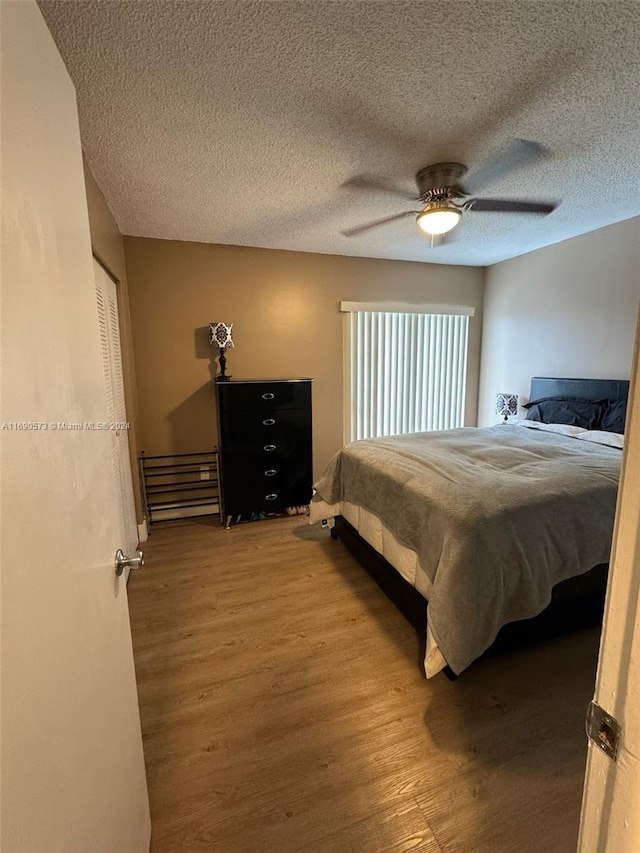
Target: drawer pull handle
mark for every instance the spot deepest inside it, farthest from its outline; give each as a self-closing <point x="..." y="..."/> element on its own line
<point x="268" y="396"/>
<point x="269" y="447"/>
<point x="271" y="497"/>
<point x="270" y="473"/>
<point x="269" y="421"/>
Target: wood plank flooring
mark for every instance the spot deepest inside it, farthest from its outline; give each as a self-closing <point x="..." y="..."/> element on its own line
<point x="284" y="709"/>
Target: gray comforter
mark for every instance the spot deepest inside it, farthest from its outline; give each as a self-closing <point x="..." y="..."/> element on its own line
<point x="497" y="517"/>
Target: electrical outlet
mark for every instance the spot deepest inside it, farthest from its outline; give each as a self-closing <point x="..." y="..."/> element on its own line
<point x="205" y="472"/>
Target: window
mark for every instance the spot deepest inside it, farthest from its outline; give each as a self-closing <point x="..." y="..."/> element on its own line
<point x="405" y="368"/>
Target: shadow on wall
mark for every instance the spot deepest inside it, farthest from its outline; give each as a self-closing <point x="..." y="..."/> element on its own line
<point x="193" y="424"/>
<point x="202" y="348"/>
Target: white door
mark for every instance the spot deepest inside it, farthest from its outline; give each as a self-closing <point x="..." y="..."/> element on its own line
<point x="107" y="301"/>
<point x="610" y="820"/>
<point x="72" y="764"/>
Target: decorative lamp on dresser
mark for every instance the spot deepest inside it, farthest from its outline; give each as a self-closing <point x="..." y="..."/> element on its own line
<point x="264" y="426"/>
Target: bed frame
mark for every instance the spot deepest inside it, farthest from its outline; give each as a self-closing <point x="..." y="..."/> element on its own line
<point x="575" y="602"/>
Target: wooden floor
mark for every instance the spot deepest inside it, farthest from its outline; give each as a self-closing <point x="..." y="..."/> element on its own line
<point x="284" y="709"/>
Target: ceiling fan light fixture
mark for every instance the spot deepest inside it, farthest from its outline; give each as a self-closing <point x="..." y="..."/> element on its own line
<point x="438" y="217"/>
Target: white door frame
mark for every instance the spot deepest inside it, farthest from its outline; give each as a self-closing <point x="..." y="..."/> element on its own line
<point x="107" y="289"/>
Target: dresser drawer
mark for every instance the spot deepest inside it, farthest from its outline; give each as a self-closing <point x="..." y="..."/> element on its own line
<point x="255" y="493"/>
<point x="259" y="396"/>
<point x="248" y="499"/>
<point x="253" y="469"/>
<point x="268" y="481"/>
<point x="253" y="431"/>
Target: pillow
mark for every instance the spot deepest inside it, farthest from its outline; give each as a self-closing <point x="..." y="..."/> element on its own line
<point x="559" y="399"/>
<point x="614" y="416"/>
<point x="559" y="410"/>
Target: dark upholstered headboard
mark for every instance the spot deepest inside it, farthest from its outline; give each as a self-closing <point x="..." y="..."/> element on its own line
<point x="588" y="389"/>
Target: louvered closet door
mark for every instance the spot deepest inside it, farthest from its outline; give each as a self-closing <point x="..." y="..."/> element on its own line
<point x="107" y="297"/>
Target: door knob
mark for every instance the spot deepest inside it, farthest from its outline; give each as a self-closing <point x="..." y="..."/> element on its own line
<point x="135" y="561"/>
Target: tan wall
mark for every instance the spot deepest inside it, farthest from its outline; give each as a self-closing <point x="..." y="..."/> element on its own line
<point x="284" y="306"/>
<point x="566" y="310"/>
<point x="108" y="247"/>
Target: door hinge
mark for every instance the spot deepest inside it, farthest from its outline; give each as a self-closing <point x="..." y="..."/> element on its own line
<point x="603" y="729"/>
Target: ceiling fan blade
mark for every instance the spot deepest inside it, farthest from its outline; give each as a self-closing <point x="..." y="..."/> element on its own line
<point x="503" y="205"/>
<point x="517" y="155"/>
<point x="372" y="182"/>
<point x="353" y="232"/>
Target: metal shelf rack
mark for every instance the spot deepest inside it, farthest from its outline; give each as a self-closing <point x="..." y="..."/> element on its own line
<point x="179" y="485"/>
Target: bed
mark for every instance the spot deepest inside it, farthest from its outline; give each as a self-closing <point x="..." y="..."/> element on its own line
<point x="472" y="530"/>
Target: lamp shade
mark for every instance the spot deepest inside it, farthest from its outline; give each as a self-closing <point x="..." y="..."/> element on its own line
<point x="507" y="404"/>
<point x="438" y="217"/>
<point x="221" y="335"/>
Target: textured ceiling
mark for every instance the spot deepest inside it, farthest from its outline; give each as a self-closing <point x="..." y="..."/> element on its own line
<point x="240" y="122"/>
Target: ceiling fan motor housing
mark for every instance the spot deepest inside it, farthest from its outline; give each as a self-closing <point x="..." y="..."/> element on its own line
<point x="441" y="181"/>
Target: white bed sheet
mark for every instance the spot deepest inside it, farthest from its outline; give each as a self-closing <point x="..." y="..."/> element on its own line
<point x="403" y="559"/>
<point x="609" y="439"/>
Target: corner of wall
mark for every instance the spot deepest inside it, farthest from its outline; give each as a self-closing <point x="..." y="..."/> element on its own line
<point x="548" y="313"/>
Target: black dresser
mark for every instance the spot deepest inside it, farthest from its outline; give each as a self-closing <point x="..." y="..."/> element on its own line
<point x="264" y="427"/>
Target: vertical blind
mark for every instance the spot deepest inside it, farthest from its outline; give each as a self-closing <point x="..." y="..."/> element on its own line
<point x="407" y="372"/>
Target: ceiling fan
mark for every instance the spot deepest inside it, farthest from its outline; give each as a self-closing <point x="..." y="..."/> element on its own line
<point x="445" y="198"/>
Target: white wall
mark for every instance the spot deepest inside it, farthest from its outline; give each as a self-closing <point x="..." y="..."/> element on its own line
<point x="566" y="310"/>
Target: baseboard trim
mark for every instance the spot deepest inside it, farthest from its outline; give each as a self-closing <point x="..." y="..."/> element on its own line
<point x="183" y="512"/>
